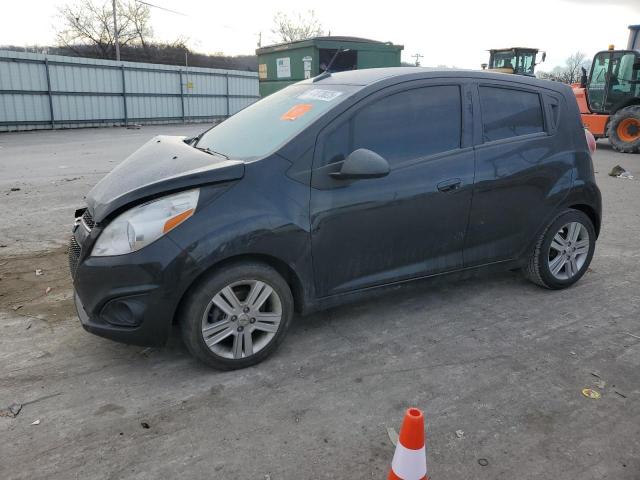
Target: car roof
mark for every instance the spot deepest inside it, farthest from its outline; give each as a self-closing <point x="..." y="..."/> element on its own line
<point x="371" y="76"/>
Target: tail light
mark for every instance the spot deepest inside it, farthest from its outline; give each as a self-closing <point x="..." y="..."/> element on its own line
<point x="591" y="141"/>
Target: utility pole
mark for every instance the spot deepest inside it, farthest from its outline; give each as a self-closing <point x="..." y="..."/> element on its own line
<point x="115" y="31"/>
<point x="417" y="56"/>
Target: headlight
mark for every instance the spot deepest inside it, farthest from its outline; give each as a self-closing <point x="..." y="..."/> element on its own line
<point x="144" y="224"/>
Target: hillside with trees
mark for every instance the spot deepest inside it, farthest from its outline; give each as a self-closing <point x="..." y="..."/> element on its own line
<point x="86" y="29"/>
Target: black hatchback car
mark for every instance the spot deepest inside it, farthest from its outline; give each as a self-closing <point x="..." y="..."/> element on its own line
<point x="328" y="190"/>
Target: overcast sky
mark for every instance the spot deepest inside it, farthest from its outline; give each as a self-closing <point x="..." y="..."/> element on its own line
<point x="453" y="33"/>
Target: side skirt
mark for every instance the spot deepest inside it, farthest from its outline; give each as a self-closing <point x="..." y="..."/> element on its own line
<point x="435" y="279"/>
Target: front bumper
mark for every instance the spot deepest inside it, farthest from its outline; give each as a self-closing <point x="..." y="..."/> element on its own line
<point x="131" y="298"/>
<point x="149" y="332"/>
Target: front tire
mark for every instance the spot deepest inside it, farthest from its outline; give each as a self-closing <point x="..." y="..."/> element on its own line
<point x="236" y="316"/>
<point x="563" y="252"/>
<point x="624" y="130"/>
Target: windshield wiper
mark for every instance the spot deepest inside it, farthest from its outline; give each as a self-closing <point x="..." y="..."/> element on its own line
<point x="212" y="152"/>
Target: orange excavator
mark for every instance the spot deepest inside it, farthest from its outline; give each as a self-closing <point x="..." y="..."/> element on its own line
<point x="609" y="98"/>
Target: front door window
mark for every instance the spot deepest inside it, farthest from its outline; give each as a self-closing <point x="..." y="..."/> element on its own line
<point x="374" y="231"/>
<point x="598" y="81"/>
<point x="624" y="80"/>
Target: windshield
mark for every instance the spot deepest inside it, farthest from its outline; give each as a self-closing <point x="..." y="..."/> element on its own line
<point x="520" y="61"/>
<point x="504" y="59"/>
<point x="266" y="125"/>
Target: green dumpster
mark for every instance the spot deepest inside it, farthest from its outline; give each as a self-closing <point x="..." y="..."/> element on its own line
<point x="286" y="63"/>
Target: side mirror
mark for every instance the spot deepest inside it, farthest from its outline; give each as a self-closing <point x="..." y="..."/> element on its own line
<point x="362" y="163"/>
<point x="544" y="56"/>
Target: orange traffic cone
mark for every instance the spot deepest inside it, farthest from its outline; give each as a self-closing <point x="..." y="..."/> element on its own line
<point x="410" y="460"/>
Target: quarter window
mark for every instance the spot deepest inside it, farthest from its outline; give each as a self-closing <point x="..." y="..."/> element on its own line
<point x="403" y="126"/>
<point x="509" y="113"/>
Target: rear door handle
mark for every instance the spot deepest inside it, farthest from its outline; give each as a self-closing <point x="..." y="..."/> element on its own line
<point x="449" y="185"/>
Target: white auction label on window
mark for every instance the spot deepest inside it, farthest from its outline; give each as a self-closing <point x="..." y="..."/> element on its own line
<point x="319" y="94"/>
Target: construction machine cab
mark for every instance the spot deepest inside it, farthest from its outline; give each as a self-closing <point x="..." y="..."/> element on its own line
<point x="614" y="82"/>
<point x="518" y="60"/>
<point x="609" y="99"/>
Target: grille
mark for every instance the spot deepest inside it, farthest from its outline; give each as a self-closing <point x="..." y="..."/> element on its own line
<point x="88" y="220"/>
<point x="74" y="255"/>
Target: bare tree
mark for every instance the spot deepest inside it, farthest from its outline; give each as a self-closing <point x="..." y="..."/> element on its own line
<point x="90" y="22"/>
<point x="545" y="75"/>
<point x="296" y="27"/>
<point x="570" y="72"/>
<point x="139" y="17"/>
<point x="573" y="67"/>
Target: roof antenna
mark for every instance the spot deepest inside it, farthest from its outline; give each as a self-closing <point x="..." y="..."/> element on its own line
<point x="327" y="71"/>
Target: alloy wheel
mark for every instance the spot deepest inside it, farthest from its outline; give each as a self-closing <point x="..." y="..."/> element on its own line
<point x="568" y="251"/>
<point x="241" y="319"/>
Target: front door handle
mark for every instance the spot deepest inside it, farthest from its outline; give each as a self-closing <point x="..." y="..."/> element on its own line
<point x="449" y="185"/>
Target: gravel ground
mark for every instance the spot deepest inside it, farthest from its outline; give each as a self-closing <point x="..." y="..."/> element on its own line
<point x="498" y="358"/>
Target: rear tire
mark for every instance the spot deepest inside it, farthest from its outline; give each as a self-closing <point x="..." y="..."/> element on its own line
<point x="237" y="315"/>
<point x="563" y="252"/>
<point x="624" y="130"/>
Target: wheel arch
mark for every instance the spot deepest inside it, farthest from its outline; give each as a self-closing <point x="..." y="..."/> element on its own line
<point x="288" y="274"/>
<point x="590" y="212"/>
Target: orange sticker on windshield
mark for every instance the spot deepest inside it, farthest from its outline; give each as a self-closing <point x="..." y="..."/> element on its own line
<point x="296" y="111"/>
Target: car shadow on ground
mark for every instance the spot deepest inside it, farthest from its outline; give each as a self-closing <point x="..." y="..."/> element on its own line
<point x="420" y="305"/>
<point x="378" y="315"/>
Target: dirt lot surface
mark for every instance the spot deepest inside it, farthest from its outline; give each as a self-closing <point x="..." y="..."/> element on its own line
<point x="497" y="358"/>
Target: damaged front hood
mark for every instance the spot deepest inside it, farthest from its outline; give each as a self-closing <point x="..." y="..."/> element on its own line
<point x="162" y="165"/>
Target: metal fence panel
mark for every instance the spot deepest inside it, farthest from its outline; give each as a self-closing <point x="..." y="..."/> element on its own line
<point x="201" y="84"/>
<point x="22" y="108"/>
<point x="85" y="78"/>
<point x="38" y="91"/>
<point x="139" y="108"/>
<point x="238" y="86"/>
<point x="22" y="76"/>
<point x="199" y="106"/>
<point x="68" y="108"/>
<point x="140" y="81"/>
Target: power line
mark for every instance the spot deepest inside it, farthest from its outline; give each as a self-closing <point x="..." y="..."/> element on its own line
<point x="161" y="8"/>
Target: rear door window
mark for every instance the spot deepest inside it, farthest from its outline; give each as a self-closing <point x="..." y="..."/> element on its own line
<point x="509" y="113"/>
